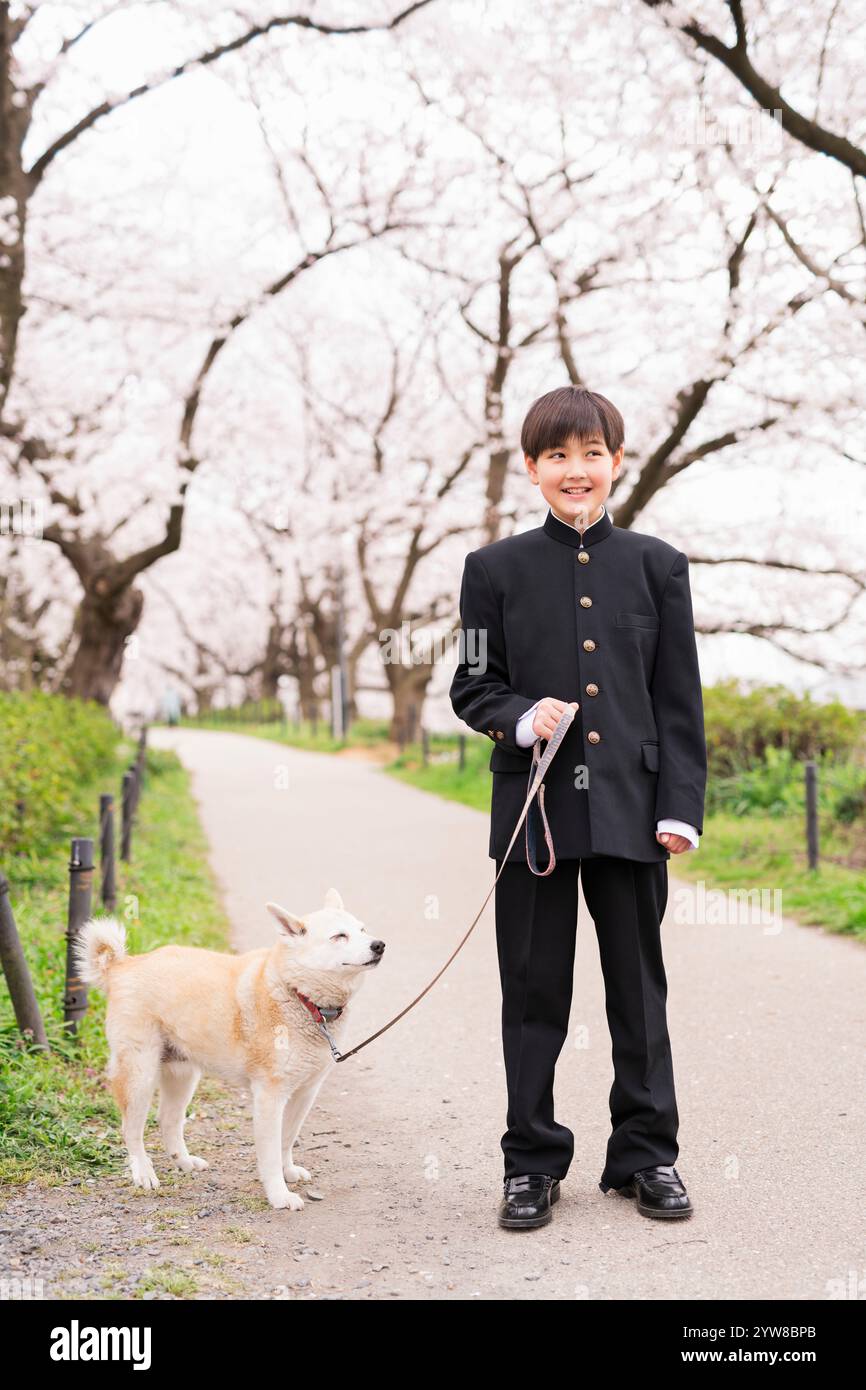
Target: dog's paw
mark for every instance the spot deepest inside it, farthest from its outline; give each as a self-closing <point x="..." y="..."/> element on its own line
<point x="144" y="1174"/>
<point x="293" y="1172"/>
<point x="190" y="1164"/>
<point x="285" y="1200"/>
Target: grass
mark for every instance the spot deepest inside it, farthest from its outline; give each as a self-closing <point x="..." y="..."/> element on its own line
<point x="769" y="852"/>
<point x="166" y="1279"/>
<point x="57" y="1118"/>
<point x="443" y="776"/>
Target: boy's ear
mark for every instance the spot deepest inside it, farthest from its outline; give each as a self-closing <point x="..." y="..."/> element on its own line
<point x="531" y="467"/>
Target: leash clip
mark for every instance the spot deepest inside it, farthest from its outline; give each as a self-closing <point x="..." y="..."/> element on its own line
<point x="337" y="1054"/>
<point x="320" y="1012"/>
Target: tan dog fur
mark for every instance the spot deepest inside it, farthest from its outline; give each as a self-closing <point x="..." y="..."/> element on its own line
<point x="178" y="1011"/>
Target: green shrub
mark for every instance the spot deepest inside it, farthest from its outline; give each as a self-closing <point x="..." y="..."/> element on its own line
<point x="777" y="787"/>
<point x="741" y="724"/>
<point x="48" y="745"/>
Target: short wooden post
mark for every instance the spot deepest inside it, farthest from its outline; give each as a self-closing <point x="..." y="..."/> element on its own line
<point x="812" y="814"/>
<point x="141" y="758"/>
<point x="14" y="964"/>
<point x="127" y="797"/>
<point x="80" y="906"/>
<point x="108" y="892"/>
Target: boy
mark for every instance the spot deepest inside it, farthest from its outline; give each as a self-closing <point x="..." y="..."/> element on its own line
<point x="579" y="611"/>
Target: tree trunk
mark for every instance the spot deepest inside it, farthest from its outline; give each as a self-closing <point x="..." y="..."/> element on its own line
<point x="102" y="624"/>
<point x="408" y="685"/>
<point x="14" y="191"/>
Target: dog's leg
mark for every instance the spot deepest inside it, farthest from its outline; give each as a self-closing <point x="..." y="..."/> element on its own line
<point x="133" y="1077"/>
<point x="177" y="1082"/>
<point x="297" y="1109"/>
<point x="268" y="1104"/>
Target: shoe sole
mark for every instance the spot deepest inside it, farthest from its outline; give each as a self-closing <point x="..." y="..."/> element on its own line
<point x="531" y="1223"/>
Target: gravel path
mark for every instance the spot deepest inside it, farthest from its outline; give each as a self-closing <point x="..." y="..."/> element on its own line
<point x="767" y="1028"/>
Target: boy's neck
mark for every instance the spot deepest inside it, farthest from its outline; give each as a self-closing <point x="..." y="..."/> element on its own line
<point x="572" y="525"/>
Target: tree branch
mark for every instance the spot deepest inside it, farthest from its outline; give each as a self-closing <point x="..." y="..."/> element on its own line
<point x="213" y="55"/>
<point x="736" y="59"/>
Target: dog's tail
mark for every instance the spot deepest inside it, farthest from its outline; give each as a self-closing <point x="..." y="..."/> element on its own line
<point x="100" y="944"/>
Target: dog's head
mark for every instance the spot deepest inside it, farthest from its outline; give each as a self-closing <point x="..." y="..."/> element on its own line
<point x="328" y="939"/>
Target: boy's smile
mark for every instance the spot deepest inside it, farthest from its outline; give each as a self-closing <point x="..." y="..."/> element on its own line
<point x="575" y="478"/>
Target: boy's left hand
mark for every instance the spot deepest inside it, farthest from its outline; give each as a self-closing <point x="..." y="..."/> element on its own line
<point x="675" y="843"/>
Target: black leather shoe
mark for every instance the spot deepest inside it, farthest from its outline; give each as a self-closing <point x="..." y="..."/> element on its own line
<point x="528" y="1200"/>
<point x="659" y="1191"/>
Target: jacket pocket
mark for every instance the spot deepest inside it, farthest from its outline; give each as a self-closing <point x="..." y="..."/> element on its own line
<point x="637" y="620"/>
<point x="650" y="754"/>
<point x="507" y="760"/>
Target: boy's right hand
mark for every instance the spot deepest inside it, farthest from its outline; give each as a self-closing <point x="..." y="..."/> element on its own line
<point x="548" y="715"/>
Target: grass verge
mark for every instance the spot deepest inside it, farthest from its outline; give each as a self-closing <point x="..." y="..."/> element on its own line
<point x="57" y="1118"/>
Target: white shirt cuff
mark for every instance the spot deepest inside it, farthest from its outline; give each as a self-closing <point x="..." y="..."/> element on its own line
<point x="523" y="733"/>
<point x="679" y="827"/>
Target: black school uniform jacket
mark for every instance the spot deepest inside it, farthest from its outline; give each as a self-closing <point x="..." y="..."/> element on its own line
<point x="613" y="631"/>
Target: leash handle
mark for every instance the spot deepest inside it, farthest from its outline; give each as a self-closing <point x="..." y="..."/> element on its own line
<point x="541" y="763"/>
<point x="538" y="810"/>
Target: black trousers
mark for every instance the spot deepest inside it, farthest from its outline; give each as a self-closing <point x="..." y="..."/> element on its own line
<point x="536" y="929"/>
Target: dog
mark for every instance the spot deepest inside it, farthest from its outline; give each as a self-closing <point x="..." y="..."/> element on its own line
<point x="249" y="1019"/>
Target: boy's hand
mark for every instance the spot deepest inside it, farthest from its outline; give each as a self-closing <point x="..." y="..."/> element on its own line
<point x="548" y="715"/>
<point x="675" y="843"/>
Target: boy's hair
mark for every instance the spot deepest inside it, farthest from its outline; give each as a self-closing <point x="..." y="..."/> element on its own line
<point x="570" y="412"/>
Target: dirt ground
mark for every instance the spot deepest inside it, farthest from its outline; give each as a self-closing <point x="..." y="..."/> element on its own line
<point x="212" y="1235"/>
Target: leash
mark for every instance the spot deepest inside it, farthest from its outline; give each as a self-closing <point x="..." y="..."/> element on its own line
<point x="540" y="763"/>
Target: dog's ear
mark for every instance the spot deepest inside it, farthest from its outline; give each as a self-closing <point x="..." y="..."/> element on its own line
<point x="290" y="925"/>
<point x="333" y="899"/>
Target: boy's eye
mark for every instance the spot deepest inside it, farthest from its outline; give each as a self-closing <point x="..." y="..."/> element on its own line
<point x="559" y="453"/>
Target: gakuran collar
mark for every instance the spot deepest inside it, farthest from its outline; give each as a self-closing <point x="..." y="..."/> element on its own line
<point x="569" y="535"/>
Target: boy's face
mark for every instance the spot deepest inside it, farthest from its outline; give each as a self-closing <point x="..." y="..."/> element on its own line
<point x="576" y="477"/>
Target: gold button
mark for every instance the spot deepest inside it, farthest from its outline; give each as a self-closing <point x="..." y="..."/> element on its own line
<point x="592" y="689"/>
<point x="586" y="602"/>
<point x="583" y="557"/>
<point x="589" y="645"/>
<point x="593" y="736"/>
<point x="499" y="733"/>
